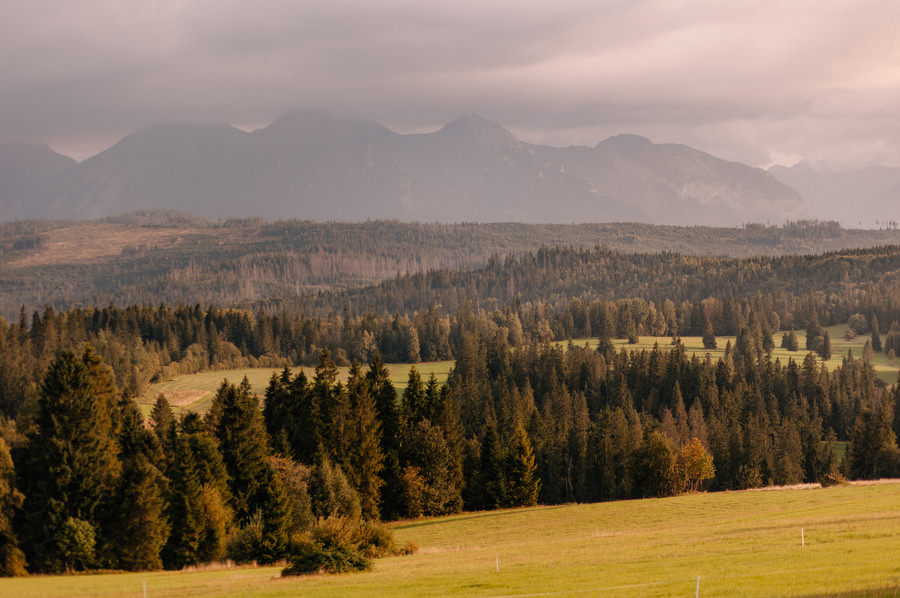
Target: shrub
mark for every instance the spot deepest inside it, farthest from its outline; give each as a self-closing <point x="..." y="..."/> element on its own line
<point x="311" y="557"/>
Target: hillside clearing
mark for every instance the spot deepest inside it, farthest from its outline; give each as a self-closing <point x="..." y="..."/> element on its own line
<point x="194" y="392"/>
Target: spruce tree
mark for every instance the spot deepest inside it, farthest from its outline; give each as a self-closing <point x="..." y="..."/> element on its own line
<point x="140" y="526"/>
<point x="72" y="463"/>
<point x="252" y="482"/>
<point x="365" y="458"/>
<point x="827" y="349"/>
<point x="12" y="559"/>
<point x="414" y="404"/>
<point x="523" y="485"/>
<point x="389" y="416"/>
<point x="199" y="517"/>
<point x="163" y="424"/>
<point x="492" y="471"/>
<point x="709" y="336"/>
<point x="876" y="335"/>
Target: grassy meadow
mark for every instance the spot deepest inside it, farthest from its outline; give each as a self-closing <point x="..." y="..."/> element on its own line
<point x="886" y="370"/>
<point x="195" y="391"/>
<point x="738" y="543"/>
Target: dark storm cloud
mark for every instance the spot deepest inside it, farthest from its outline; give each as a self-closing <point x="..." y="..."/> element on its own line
<point x="753" y="81"/>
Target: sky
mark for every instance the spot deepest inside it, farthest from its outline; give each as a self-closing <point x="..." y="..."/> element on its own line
<point x="761" y="82"/>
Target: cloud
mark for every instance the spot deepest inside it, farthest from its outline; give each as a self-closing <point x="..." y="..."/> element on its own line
<point x="755" y="81"/>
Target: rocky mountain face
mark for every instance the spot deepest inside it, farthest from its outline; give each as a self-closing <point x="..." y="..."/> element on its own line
<point x="312" y="165"/>
<point x="863" y="197"/>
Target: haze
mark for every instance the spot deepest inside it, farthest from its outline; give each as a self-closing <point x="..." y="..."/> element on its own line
<point x="756" y="82"/>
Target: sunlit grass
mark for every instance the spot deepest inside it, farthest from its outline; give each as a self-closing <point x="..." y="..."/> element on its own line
<point x="886" y="369"/>
<point x="739" y="544"/>
<point x="195" y="391"/>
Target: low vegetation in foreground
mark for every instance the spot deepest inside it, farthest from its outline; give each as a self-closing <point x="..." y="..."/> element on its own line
<point x="839" y="541"/>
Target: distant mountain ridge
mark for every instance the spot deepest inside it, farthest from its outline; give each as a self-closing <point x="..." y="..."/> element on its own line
<point x="312" y="165"/>
<point x="861" y="197"/>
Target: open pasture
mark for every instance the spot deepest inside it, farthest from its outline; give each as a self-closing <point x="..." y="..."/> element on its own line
<point x="195" y="391"/>
<point x="841" y="541"/>
<point x="886" y="369"/>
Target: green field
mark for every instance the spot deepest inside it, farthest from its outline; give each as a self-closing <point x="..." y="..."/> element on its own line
<point x="195" y="391"/>
<point x="739" y="544"/>
<point x="886" y="370"/>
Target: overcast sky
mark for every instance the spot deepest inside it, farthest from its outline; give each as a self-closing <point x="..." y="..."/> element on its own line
<point x="756" y="81"/>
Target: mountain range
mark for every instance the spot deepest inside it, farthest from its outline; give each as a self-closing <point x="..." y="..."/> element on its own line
<point x="312" y="165"/>
<point x="862" y="197"/>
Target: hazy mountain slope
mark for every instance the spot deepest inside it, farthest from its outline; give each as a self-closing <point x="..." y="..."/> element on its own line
<point x="193" y="168"/>
<point x="25" y="173"/>
<point x="315" y="166"/>
<point x="856" y="197"/>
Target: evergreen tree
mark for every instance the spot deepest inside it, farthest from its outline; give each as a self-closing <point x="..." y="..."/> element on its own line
<point x="492" y="481"/>
<point x="140" y="526"/>
<point x="431" y="485"/>
<point x="876" y="335"/>
<point x="199" y="517"/>
<point x="252" y="482"/>
<point x="389" y="416"/>
<point x="826" y="349"/>
<point x="522" y="483"/>
<point x="72" y="461"/>
<point x="365" y="459"/>
<point x="709" y="336"/>
<point x="415" y="407"/>
<point x="163" y="424"/>
<point x="12" y="559"/>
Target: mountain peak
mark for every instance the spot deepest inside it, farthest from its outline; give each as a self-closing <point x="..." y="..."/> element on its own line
<point x="627" y="141"/>
<point x="474" y="127"/>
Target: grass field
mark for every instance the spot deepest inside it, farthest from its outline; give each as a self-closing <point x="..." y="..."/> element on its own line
<point x="886" y="370"/>
<point x="739" y="544"/>
<point x="195" y="391"/>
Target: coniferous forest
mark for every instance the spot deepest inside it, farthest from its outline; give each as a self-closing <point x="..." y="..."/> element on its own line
<point x="307" y="471"/>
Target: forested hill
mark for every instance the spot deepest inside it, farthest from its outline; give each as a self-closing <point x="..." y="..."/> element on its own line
<point x="555" y="275"/>
<point x="149" y="257"/>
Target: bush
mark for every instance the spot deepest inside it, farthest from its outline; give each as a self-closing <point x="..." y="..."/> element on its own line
<point x="311" y="557"/>
<point x="375" y="540"/>
<point x="341" y="545"/>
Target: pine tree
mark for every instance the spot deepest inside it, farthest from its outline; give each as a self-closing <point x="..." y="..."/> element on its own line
<point x="253" y="485"/>
<point x="198" y="494"/>
<point x="415" y="407"/>
<point x="826" y="350"/>
<point x="523" y="485"/>
<point x="72" y="462"/>
<point x="365" y="458"/>
<point x="492" y="472"/>
<point x="140" y="526"/>
<point x="143" y="525"/>
<point x="185" y="510"/>
<point x="12" y="559"/>
<point x="162" y="421"/>
<point x="709" y="336"/>
<point x="389" y="416"/>
<point x="876" y="335"/>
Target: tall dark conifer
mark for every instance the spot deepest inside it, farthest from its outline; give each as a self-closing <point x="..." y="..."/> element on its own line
<point x="385" y="397"/>
<point x="72" y="462"/>
<point x="253" y="484"/>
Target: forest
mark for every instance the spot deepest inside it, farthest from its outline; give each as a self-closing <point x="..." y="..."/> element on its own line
<point x="153" y="257"/>
<point x="312" y="467"/>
